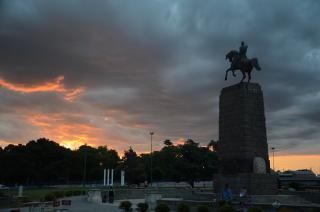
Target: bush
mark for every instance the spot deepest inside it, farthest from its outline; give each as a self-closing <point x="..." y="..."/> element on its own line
<point x="227" y="208"/>
<point x="68" y="193"/>
<point x="125" y="206"/>
<point x="58" y="194"/>
<point x="183" y="207"/>
<point x="2" y="194"/>
<point x="203" y="208"/>
<point x="221" y="203"/>
<point x="142" y="207"/>
<point x="77" y="192"/>
<point x="255" y="209"/>
<point x="49" y="197"/>
<point x="162" y="208"/>
<point x="285" y="210"/>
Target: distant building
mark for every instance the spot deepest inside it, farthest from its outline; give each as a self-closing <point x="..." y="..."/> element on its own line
<point x="303" y="179"/>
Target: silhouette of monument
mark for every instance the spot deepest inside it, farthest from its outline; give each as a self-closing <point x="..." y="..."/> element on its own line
<point x="242" y="146"/>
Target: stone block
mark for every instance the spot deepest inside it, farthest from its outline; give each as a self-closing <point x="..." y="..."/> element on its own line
<point x="243" y="148"/>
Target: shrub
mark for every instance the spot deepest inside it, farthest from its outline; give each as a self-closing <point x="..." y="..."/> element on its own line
<point x="2" y="194"/>
<point x="226" y="208"/>
<point x="58" y="194"/>
<point x="203" y="208"/>
<point x="221" y="203"/>
<point x="162" y="208"/>
<point x="183" y="207"/>
<point x="255" y="209"/>
<point x="68" y="193"/>
<point x="77" y="192"/>
<point x="125" y="206"/>
<point x="49" y="197"/>
<point x="142" y="207"/>
<point x="285" y="210"/>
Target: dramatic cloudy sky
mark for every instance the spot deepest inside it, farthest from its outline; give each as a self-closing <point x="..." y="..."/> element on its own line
<point x="109" y="72"/>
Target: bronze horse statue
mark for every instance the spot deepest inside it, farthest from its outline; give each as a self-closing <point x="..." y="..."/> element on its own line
<point x="241" y="63"/>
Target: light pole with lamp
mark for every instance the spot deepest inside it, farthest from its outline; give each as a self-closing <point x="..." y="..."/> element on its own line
<point x="84" y="175"/>
<point x="151" y="134"/>
<point x="273" y="149"/>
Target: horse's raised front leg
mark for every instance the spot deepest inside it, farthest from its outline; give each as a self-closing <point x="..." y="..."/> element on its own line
<point x="243" y="76"/>
<point x="249" y="76"/>
<point x="226" y="77"/>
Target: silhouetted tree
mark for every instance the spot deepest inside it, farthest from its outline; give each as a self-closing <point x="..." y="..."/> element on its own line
<point x="135" y="169"/>
<point x="213" y="145"/>
<point x="44" y="161"/>
<point x="167" y="143"/>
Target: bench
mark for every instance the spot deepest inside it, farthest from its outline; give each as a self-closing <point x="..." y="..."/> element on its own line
<point x="63" y="205"/>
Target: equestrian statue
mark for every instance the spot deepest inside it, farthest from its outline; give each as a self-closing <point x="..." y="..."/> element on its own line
<point x="239" y="61"/>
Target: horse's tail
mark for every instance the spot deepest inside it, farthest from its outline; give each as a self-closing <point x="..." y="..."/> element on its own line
<point x="255" y="63"/>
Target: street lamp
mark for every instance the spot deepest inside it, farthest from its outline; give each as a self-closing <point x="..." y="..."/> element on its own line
<point x="273" y="149"/>
<point x="84" y="176"/>
<point x="151" y="134"/>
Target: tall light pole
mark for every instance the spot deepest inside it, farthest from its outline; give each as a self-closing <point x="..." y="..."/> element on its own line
<point x="84" y="176"/>
<point x="151" y="134"/>
<point x="273" y="149"/>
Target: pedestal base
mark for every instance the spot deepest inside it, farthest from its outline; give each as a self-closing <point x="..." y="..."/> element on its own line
<point x="254" y="183"/>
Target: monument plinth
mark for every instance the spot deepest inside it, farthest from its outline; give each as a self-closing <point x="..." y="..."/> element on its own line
<point x="242" y="147"/>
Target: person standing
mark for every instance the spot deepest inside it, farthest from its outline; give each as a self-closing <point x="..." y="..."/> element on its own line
<point x="227" y="194"/>
<point x="243" y="199"/>
<point x="111" y="195"/>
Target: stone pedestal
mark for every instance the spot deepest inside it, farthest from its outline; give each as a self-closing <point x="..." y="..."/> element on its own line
<point x="242" y="147"/>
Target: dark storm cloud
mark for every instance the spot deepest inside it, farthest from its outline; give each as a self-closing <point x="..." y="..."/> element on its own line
<point x="161" y="63"/>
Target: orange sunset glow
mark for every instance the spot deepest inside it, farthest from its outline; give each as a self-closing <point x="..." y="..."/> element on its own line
<point x="71" y="135"/>
<point x="294" y="162"/>
<point x="55" y="86"/>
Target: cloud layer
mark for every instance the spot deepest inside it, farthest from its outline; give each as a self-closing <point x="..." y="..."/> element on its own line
<point x="108" y="72"/>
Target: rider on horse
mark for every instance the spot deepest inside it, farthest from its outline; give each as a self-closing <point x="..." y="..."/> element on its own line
<point x="242" y="52"/>
<point x="239" y="61"/>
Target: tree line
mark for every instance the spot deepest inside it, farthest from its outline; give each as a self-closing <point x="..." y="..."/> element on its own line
<point x="45" y="162"/>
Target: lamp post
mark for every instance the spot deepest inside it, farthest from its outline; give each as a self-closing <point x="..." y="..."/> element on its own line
<point x="151" y="134"/>
<point x="84" y="176"/>
<point x="273" y="149"/>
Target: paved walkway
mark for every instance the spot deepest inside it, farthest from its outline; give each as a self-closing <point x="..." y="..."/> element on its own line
<point x="80" y="204"/>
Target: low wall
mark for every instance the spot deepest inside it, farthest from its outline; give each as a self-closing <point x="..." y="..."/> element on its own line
<point x="311" y="196"/>
<point x="139" y="193"/>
